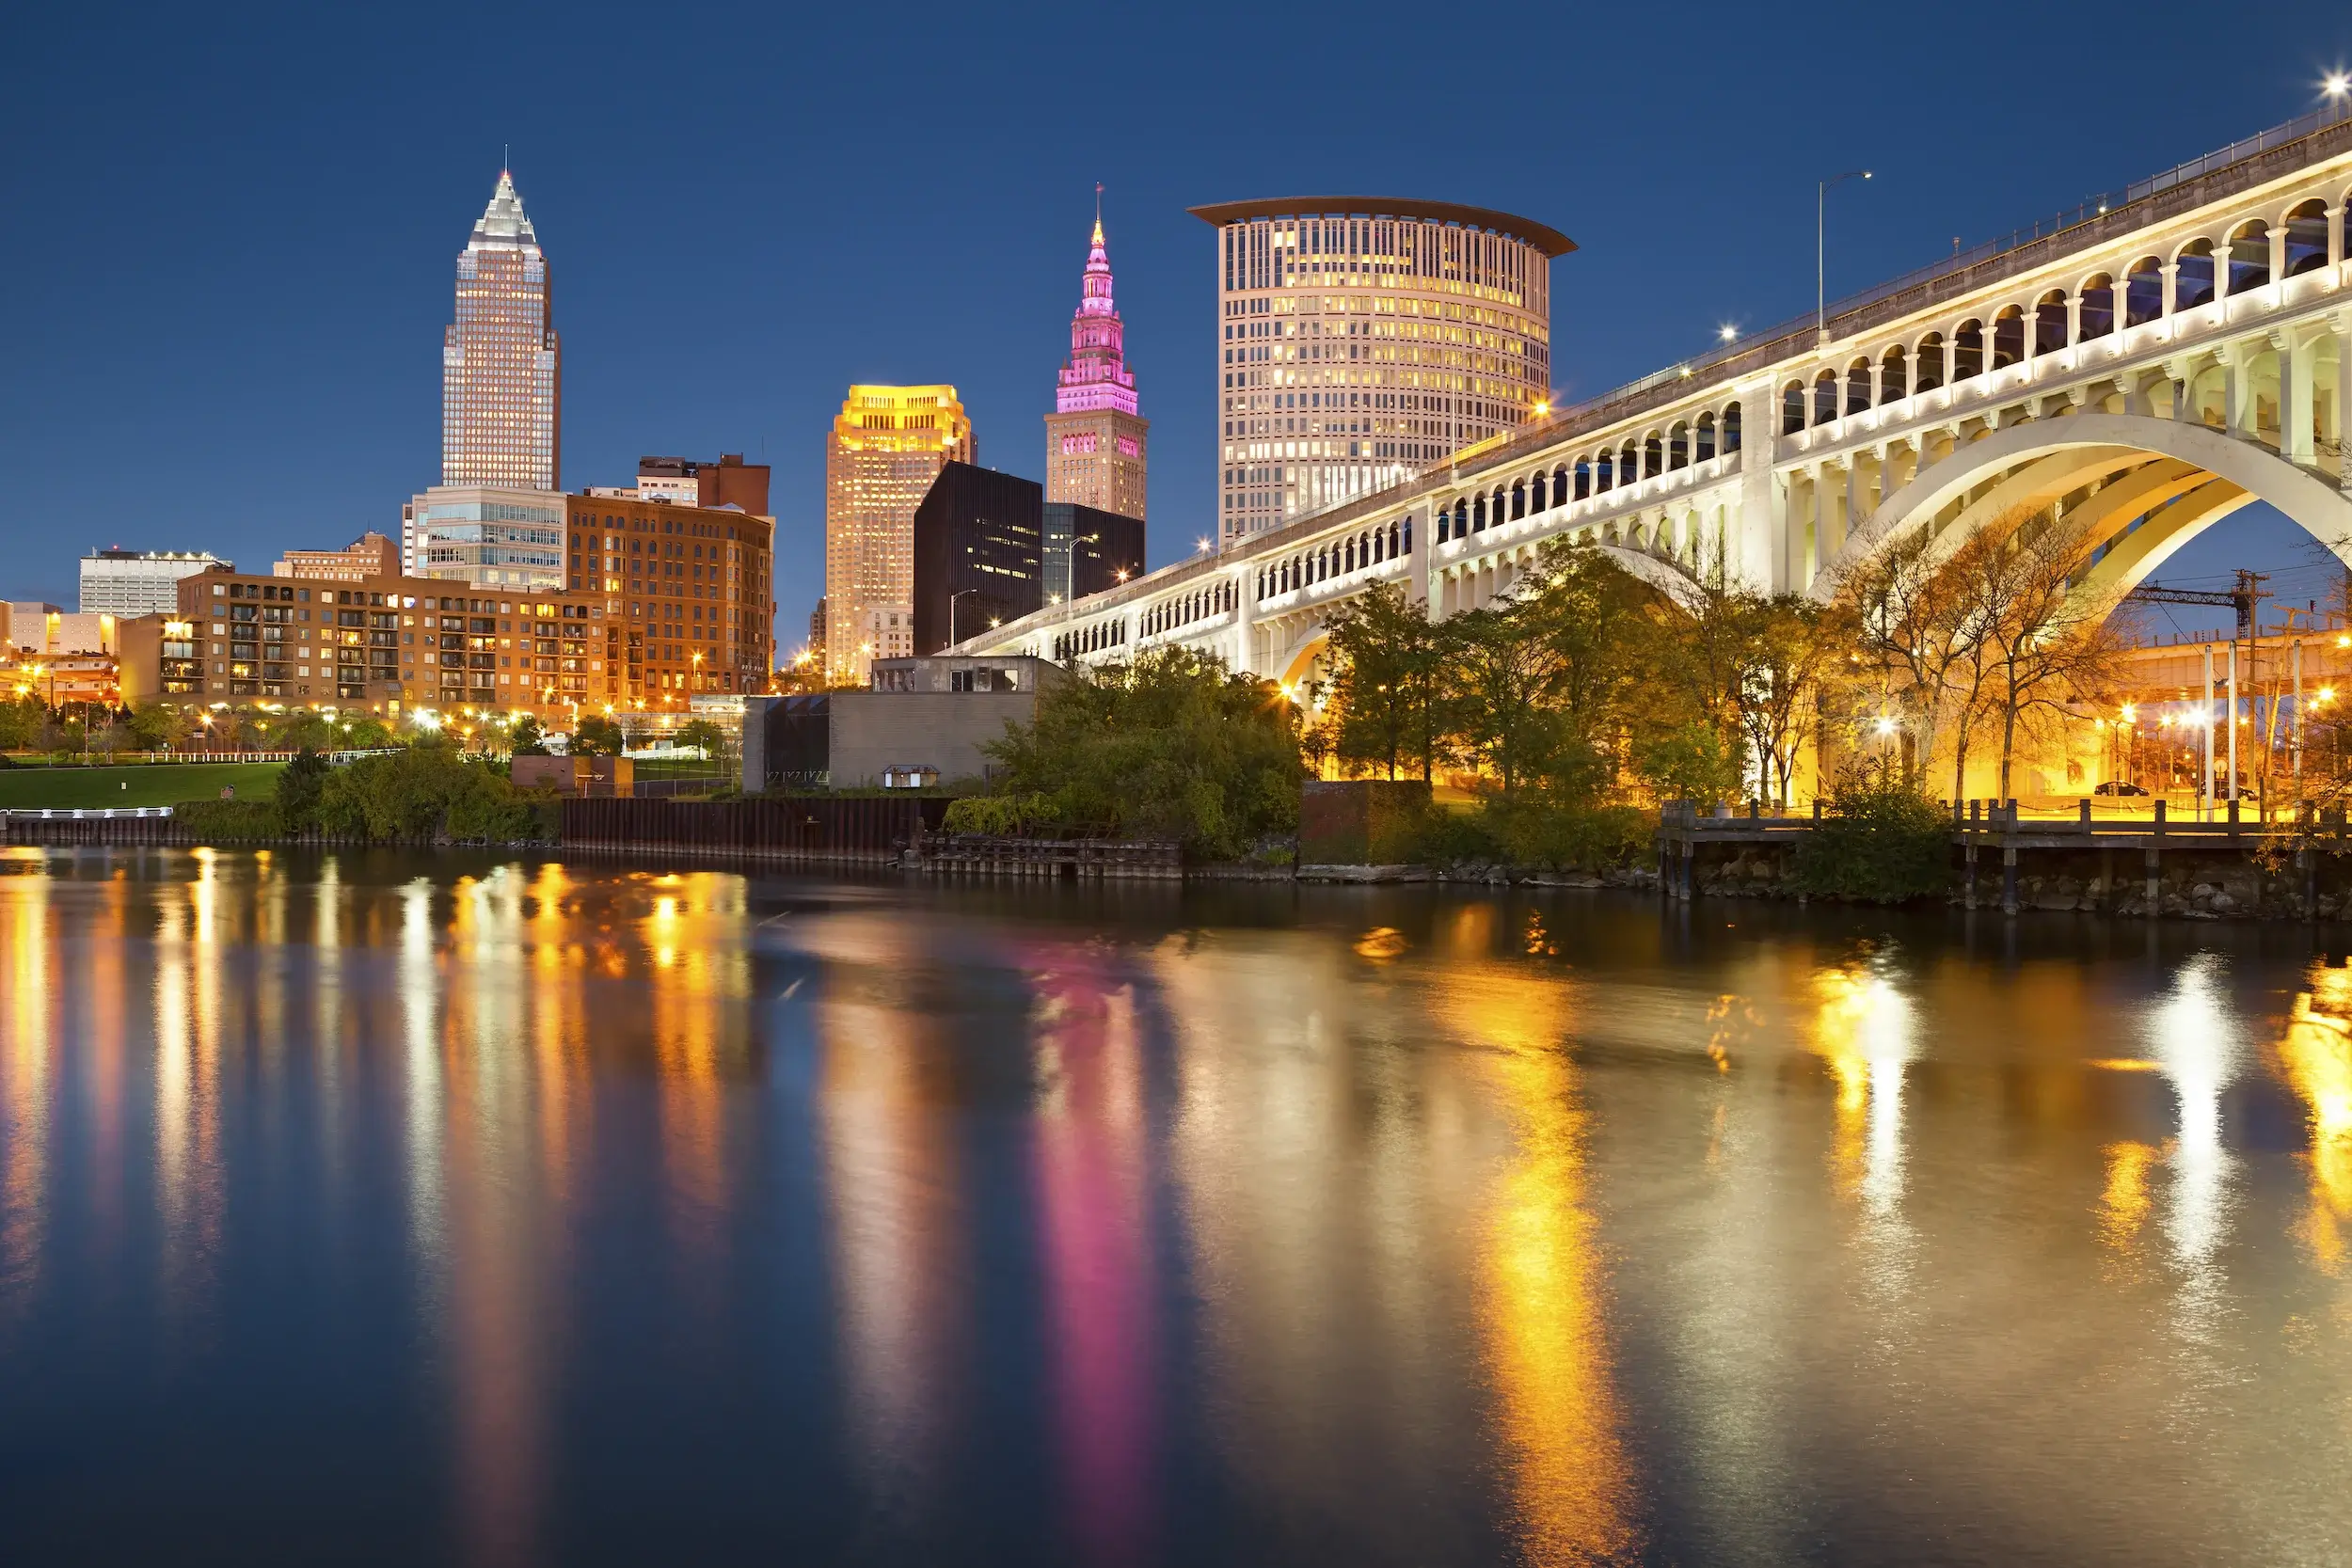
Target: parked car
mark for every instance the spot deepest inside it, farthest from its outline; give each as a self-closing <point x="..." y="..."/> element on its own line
<point x="2117" y="786"/>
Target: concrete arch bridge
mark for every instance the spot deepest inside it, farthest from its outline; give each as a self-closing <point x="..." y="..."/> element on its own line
<point x="2151" y="364"/>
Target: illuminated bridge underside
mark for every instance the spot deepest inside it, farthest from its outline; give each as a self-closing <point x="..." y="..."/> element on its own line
<point x="2150" y="371"/>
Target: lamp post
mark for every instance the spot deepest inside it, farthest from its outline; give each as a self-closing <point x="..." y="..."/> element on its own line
<point x="951" y="613"/>
<point x="1821" y="250"/>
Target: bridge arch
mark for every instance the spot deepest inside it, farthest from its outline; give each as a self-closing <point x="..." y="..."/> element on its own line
<point x="2160" y="484"/>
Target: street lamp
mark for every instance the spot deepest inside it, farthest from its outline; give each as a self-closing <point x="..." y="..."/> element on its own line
<point x="951" y="613"/>
<point x="2338" y="85"/>
<point x="1821" y="250"/>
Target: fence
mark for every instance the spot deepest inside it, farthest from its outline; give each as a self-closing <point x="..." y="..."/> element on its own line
<point x="858" y="829"/>
<point x="108" y="824"/>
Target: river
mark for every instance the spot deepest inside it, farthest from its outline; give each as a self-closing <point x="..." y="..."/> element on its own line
<point x="375" y="1208"/>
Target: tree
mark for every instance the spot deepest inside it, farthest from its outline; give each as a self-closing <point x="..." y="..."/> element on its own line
<point x="597" y="737"/>
<point x="300" y="784"/>
<point x="1504" y="677"/>
<point x="2043" y="645"/>
<point x="702" y="735"/>
<point x="1793" y="645"/>
<point x="1170" y="746"/>
<point x="150" y="726"/>
<point x="1387" y="683"/>
<point x="1600" y="624"/>
<point x="1916" y="631"/>
<point x="524" y="740"/>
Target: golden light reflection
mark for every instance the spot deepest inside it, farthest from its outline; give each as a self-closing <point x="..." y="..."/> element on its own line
<point x="2193" y="1033"/>
<point x="24" y="1136"/>
<point x="1380" y="944"/>
<point x="1863" y="1028"/>
<point x="1541" y="1287"/>
<point x="2316" y="1055"/>
<point x="2123" y="1203"/>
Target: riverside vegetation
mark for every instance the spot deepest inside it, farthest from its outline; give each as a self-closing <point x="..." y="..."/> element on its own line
<point x="423" y="793"/>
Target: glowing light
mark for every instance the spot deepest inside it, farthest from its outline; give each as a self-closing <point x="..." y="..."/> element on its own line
<point x="2327" y="695"/>
<point x="2336" y="84"/>
<point x="2125" y="713"/>
<point x="1885" y="725"/>
<point x="1542" y="408"/>
<point x="1727" y="332"/>
<point x="1201" y="545"/>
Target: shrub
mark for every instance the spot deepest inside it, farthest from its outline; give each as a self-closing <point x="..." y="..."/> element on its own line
<point x="216" y="821"/>
<point x="1880" y="842"/>
<point x="1172" y="746"/>
<point x="427" y="792"/>
<point x="998" y="815"/>
<point x="1579" y="837"/>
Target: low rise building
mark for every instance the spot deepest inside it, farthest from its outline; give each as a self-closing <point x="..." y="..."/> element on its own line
<point x="396" y="646"/>
<point x="371" y="556"/>
<point x="928" y="719"/>
<point x="121" y="582"/>
<point x="691" y="585"/>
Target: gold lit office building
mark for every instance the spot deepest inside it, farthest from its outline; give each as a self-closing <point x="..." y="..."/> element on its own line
<point x="887" y="446"/>
<point x="1361" y="340"/>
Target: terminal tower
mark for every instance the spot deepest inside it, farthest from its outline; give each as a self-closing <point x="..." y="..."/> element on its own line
<point x="1095" y="443"/>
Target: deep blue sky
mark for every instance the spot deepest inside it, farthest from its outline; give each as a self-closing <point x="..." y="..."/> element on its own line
<point x="231" y="230"/>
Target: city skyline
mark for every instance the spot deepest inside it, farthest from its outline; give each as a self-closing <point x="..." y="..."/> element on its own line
<point x="283" y="321"/>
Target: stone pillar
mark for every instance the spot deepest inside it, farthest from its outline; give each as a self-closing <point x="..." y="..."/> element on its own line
<point x="1760" y="521"/>
<point x="1245" y="619"/>
<point x="2278" y="253"/>
<point x="2221" y="275"/>
<point x="2121" y="290"/>
<point x="2344" y="398"/>
<point x="2335" y="235"/>
<point x="2297" y="348"/>
<point x="2073" y="321"/>
<point x="2171" y="286"/>
<point x="1951" y="363"/>
<point x="2184" y="372"/>
<point x="2237" y="390"/>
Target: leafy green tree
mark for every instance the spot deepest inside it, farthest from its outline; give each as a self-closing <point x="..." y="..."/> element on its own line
<point x="1505" y="674"/>
<point x="597" y="737"/>
<point x="524" y="739"/>
<point x="150" y="726"/>
<point x="423" y="792"/>
<point x="300" y="784"/>
<point x="1387" y="706"/>
<point x="21" y="719"/>
<point x="1794" y="647"/>
<point x="702" y="735"/>
<point x="1170" y="746"/>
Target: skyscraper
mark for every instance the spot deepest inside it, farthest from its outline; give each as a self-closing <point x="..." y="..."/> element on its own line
<point x="501" y="371"/>
<point x="886" y="447"/>
<point x="1094" y="442"/>
<point x="496" y="521"/>
<point x="1361" y="340"/>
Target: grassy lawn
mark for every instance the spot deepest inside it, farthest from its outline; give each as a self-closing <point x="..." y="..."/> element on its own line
<point x="157" y="784"/>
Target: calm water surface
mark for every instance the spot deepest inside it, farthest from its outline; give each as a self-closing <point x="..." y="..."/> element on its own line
<point x="372" y="1209"/>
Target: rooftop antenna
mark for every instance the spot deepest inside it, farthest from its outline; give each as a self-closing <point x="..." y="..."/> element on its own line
<point x="506" y="160"/>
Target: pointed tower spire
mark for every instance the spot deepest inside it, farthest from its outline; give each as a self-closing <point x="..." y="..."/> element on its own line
<point x="1098" y="212"/>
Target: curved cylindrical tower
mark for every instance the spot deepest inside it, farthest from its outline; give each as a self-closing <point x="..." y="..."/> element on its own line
<point x="1363" y="339"/>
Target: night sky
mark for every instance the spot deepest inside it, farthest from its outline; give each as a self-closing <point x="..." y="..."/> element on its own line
<point x="233" y="232"/>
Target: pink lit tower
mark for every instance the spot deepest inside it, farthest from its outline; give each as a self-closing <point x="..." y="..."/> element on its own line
<point x="1095" y="443"/>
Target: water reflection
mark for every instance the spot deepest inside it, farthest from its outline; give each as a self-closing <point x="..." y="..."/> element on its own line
<point x="1093" y="1180"/>
<point x="2316" y="1053"/>
<point x="2192" y="1034"/>
<point x="498" y="1204"/>
<point x="1543" y="1289"/>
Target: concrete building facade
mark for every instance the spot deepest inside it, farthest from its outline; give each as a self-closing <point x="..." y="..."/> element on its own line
<point x="122" y="582"/>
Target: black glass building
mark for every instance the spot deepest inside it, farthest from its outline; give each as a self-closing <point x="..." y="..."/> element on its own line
<point x="990" y="548"/>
